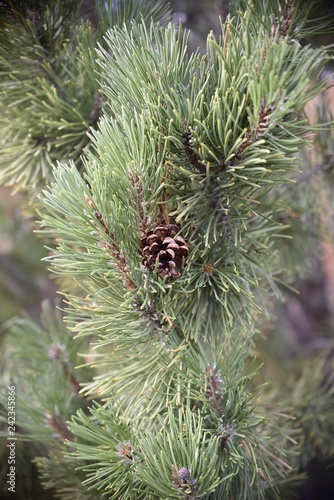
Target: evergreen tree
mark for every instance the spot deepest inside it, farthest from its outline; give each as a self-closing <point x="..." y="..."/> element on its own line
<point x="168" y="187"/>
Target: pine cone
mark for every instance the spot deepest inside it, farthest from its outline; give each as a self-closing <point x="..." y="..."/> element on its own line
<point x="162" y="248"/>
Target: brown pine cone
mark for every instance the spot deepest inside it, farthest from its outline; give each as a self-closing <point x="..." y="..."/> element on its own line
<point x="162" y="248"/>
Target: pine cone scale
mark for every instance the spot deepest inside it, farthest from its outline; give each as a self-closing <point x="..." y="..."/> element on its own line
<point x="163" y="249"/>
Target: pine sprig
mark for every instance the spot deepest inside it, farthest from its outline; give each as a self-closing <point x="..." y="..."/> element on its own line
<point x="295" y="19"/>
<point x="185" y="432"/>
<point x="51" y="99"/>
<point x="310" y="401"/>
<point x="45" y="355"/>
<point x="256" y="149"/>
<point x="61" y="475"/>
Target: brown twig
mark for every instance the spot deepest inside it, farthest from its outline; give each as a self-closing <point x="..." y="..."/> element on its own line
<point x="253" y="134"/>
<point x="58" y="424"/>
<point x="119" y="259"/>
<point x="283" y="28"/>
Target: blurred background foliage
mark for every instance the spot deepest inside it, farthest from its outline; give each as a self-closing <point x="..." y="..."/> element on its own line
<point x="23" y="277"/>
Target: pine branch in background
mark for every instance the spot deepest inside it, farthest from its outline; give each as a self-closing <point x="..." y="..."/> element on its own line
<point x="49" y="93"/>
<point x="44" y="355"/>
<point x="309" y="398"/>
<point x="305" y="206"/>
<point x="299" y="19"/>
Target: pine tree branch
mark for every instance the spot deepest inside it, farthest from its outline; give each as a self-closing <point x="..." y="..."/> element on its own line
<point x="169" y="248"/>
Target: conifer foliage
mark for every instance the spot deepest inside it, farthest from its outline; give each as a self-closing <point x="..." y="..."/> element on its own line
<point x="165" y="234"/>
